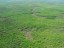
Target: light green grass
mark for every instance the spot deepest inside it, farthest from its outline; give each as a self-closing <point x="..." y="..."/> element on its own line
<point x="46" y="31"/>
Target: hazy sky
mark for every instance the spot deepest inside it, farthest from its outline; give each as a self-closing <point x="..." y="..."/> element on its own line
<point x="33" y="0"/>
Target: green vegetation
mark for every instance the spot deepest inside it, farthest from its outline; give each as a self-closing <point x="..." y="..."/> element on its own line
<point x="32" y="25"/>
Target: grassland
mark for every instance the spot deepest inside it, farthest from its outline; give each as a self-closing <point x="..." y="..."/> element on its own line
<point x="31" y="25"/>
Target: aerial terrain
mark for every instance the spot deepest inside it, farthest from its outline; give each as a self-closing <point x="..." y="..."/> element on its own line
<point x="31" y="23"/>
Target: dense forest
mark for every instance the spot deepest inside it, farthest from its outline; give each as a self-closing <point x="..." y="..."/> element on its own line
<point x="31" y="23"/>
